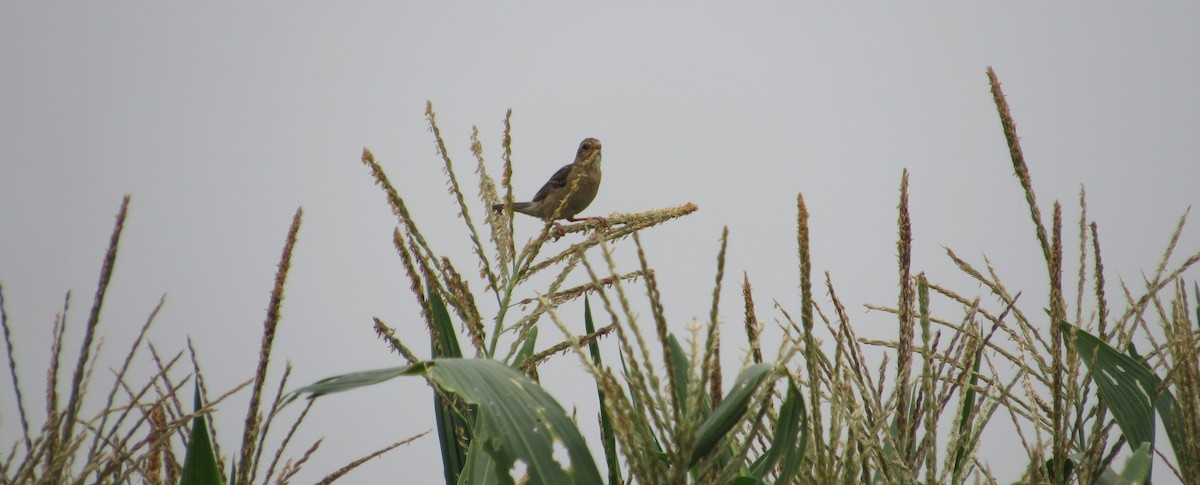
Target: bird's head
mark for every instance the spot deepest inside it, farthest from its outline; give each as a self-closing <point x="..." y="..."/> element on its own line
<point x="588" y="149"/>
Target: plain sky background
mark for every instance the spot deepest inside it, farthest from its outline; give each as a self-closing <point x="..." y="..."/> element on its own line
<point x="222" y="119"/>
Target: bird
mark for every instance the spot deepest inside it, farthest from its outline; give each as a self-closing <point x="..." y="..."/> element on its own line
<point x="585" y="169"/>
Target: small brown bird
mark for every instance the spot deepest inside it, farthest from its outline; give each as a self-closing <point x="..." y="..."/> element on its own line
<point x="586" y="169"/>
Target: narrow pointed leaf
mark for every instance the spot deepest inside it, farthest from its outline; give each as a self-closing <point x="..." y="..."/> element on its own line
<point x="607" y="434"/>
<point x="794" y="455"/>
<point x="731" y="411"/>
<point x="964" y="415"/>
<point x="445" y="339"/>
<point x="527" y="349"/>
<point x="199" y="462"/>
<point x="447" y="413"/>
<point x="788" y="439"/>
<point x="353" y="380"/>
<point x="680" y="370"/>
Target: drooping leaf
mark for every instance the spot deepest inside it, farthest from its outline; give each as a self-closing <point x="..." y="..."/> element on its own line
<point x="351" y="381"/>
<point x="1126" y="385"/>
<point x="1170" y="411"/>
<point x="516" y="420"/>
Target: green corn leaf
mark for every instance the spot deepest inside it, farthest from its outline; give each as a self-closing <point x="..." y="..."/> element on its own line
<point x="350" y="381"/>
<point x="1136" y="472"/>
<point x="526" y="349"/>
<point x="445" y="338"/>
<point x="964" y="414"/>
<point x="789" y="440"/>
<point x="730" y="412"/>
<point x="1137" y="467"/>
<point x="1170" y="411"/>
<point x="794" y="456"/>
<point x="450" y="424"/>
<point x="1066" y="471"/>
<point x="607" y="434"/>
<point x="1126" y="385"/>
<point x="636" y="403"/>
<point x="516" y="420"/>
<point x="680" y="367"/>
<point x="199" y="462"/>
<point x="447" y="412"/>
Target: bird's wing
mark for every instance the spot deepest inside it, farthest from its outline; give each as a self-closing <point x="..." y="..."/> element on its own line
<point x="557" y="181"/>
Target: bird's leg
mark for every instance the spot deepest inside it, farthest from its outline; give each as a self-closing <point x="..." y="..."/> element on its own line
<point x="559" y="232"/>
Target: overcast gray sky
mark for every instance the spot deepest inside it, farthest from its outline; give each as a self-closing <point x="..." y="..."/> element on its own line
<point x="222" y="119"/>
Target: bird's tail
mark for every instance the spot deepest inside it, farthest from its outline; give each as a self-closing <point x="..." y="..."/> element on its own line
<point x="517" y="207"/>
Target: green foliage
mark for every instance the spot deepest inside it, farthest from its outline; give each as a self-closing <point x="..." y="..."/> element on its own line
<point x="873" y="407"/>
<point x="963" y="419"/>
<point x="517" y="420"/>
<point x="453" y="426"/>
<point x="607" y="437"/>
<point x="1127" y="387"/>
<point x="788" y="440"/>
<point x="1137" y="468"/>
<point x="730" y="412"/>
<point x="200" y="462"/>
<point x="1135" y="396"/>
<point x="859" y="424"/>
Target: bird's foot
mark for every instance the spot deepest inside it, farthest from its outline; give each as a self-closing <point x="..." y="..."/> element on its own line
<point x="603" y="221"/>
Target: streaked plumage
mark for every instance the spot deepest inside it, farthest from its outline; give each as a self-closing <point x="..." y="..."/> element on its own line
<point x="586" y="168"/>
